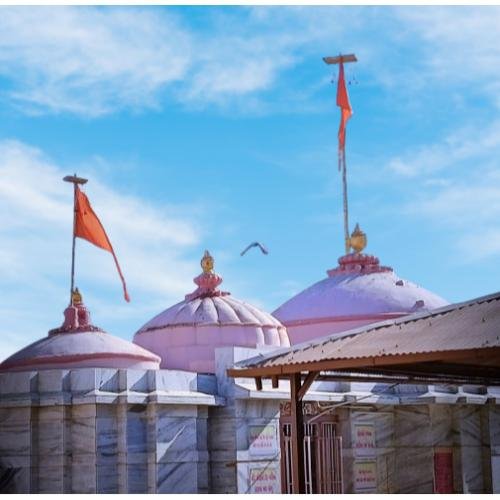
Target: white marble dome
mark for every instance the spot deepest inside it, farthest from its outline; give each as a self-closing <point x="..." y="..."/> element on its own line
<point x="186" y="335"/>
<point x="358" y="292"/>
<point x="80" y="344"/>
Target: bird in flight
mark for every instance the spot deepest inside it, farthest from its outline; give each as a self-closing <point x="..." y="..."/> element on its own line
<point x="255" y="244"/>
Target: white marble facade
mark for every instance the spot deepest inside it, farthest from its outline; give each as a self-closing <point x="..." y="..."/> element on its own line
<point x="104" y="431"/>
<point x="161" y="431"/>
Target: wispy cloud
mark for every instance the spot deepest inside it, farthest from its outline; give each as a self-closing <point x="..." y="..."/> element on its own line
<point x="455" y="184"/>
<point x="459" y="44"/>
<point x="152" y="245"/>
<point x="90" y="61"/>
<point x="93" y="60"/>
<point x="467" y="144"/>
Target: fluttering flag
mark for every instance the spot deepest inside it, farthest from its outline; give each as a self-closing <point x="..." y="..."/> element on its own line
<point x="345" y="112"/>
<point x="89" y="227"/>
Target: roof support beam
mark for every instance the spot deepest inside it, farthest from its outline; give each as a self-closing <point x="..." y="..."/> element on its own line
<point x="297" y="437"/>
<point x="310" y="378"/>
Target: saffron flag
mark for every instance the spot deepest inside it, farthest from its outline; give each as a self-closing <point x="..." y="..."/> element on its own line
<point x="89" y="227"/>
<point x="345" y="109"/>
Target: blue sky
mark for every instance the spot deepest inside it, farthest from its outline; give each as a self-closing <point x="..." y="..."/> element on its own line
<point x="211" y="127"/>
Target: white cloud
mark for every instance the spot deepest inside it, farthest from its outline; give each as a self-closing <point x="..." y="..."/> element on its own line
<point x="152" y="246"/>
<point x="459" y="43"/>
<point x="467" y="144"/>
<point x="454" y="184"/>
<point x="93" y="60"/>
<point x="90" y="60"/>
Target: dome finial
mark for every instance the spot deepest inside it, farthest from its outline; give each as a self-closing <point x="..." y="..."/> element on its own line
<point x="358" y="240"/>
<point x="207" y="262"/>
<point x="76" y="297"/>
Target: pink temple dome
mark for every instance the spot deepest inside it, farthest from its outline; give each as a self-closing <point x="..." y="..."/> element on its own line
<point x="187" y="334"/>
<point x="79" y="344"/>
<point x="358" y="292"/>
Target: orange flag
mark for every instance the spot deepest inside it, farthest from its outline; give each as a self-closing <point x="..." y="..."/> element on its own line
<point x="89" y="227"/>
<point x="345" y="109"/>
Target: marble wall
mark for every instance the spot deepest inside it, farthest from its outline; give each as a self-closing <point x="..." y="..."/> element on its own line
<point x="407" y="439"/>
<point x="243" y="435"/>
<point x="147" y="431"/>
<point x="104" y="431"/>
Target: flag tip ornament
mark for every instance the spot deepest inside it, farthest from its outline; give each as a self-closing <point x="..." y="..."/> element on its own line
<point x="86" y="225"/>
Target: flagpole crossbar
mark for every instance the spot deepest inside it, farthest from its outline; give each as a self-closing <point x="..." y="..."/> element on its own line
<point x="75" y="180"/>
<point x="340" y="58"/>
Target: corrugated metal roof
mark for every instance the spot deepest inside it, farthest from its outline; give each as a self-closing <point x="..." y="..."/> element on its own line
<point x="469" y="325"/>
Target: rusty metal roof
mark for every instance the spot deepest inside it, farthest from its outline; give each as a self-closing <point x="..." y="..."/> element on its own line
<point x="466" y="326"/>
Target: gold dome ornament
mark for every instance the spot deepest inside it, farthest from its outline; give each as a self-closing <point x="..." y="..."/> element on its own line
<point x="358" y="240"/>
<point x="76" y="297"/>
<point x="207" y="262"/>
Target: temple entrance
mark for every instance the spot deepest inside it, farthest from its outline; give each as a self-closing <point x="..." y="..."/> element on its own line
<point x="322" y="450"/>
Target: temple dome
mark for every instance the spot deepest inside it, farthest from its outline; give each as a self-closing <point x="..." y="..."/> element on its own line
<point x="186" y="334"/>
<point x="79" y="344"/>
<point x="357" y="292"/>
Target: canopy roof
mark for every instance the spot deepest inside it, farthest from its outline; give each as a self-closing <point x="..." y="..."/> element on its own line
<point x="459" y="343"/>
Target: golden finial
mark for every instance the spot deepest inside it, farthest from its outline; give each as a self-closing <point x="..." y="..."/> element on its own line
<point x="207" y="262"/>
<point x="358" y="240"/>
<point x="76" y="297"/>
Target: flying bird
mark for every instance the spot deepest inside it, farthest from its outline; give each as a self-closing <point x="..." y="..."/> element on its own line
<point x="255" y="244"/>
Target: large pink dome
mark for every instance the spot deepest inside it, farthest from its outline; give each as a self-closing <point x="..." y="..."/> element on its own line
<point x="358" y="292"/>
<point x="79" y="344"/>
<point x="187" y="334"/>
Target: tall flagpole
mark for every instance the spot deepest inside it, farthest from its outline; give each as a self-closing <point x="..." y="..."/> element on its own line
<point x="75" y="181"/>
<point x="346" y="209"/>
<point x="342" y="165"/>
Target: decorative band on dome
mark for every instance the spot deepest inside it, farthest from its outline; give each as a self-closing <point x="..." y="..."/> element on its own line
<point x="358" y="263"/>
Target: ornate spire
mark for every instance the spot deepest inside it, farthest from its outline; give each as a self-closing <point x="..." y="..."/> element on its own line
<point x="207" y="281"/>
<point x="207" y="263"/>
<point x="76" y="297"/>
<point x="358" y="240"/>
<point x="76" y="317"/>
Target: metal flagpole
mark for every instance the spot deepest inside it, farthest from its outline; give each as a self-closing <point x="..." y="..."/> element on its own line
<point x="342" y="164"/>
<point x="75" y="181"/>
<point x="346" y="211"/>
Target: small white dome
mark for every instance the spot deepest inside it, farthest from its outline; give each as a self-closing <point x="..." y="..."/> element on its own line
<point x="186" y="335"/>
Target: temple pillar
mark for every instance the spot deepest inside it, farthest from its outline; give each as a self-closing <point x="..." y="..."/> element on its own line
<point x="83" y="448"/>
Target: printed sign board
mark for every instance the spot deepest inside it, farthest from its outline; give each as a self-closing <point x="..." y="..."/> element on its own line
<point x="263" y="440"/>
<point x="264" y="480"/>
<point x="365" y="476"/>
<point x="363" y="441"/>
